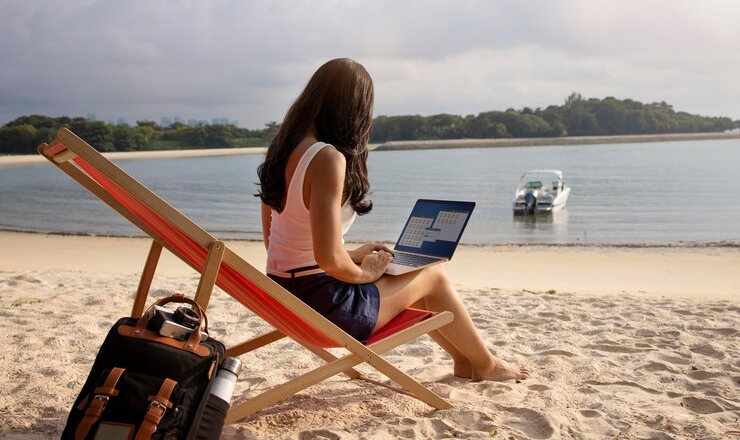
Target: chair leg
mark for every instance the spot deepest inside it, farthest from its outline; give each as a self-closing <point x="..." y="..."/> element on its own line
<point x="209" y="274"/>
<point x="253" y="404"/>
<point x="254" y="343"/>
<point x="328" y="357"/>
<point x="145" y="283"/>
<point x="269" y="338"/>
<point x="415" y="388"/>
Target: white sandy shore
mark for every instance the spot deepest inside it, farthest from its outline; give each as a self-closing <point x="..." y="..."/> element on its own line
<point x="9" y="161"/>
<point x="20" y="160"/>
<point x="629" y="343"/>
<point x="686" y="272"/>
<point x="565" y="140"/>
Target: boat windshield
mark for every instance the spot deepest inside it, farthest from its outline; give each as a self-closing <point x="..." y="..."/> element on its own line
<point x="540" y="180"/>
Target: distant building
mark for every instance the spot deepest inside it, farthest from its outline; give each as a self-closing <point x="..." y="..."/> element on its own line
<point x="167" y="121"/>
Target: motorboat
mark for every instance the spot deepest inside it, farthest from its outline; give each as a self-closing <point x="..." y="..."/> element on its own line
<point x="540" y="191"/>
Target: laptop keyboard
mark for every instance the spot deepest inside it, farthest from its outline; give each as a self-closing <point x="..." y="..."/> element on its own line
<point x="412" y="260"/>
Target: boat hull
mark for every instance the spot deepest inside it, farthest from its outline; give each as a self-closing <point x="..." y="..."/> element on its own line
<point x="520" y="206"/>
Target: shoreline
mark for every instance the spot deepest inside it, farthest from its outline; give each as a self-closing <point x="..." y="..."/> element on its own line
<point x="11" y="161"/>
<point x="545" y="141"/>
<point x="683" y="245"/>
<point x="705" y="272"/>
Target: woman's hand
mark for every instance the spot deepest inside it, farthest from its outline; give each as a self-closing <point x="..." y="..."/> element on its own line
<point x="373" y="265"/>
<point x="359" y="254"/>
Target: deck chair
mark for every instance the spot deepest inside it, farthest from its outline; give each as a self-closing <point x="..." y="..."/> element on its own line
<point x="218" y="265"/>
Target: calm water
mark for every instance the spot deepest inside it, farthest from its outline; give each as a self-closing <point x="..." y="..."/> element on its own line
<point x="654" y="193"/>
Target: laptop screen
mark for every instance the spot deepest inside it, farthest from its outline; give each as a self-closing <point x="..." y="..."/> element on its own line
<point x="435" y="227"/>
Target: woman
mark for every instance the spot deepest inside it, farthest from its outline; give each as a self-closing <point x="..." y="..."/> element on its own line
<point x="313" y="183"/>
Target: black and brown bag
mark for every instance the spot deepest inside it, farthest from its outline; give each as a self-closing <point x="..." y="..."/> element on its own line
<point x="145" y="386"/>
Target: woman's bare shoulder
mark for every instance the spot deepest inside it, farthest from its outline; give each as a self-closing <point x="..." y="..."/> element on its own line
<point x="328" y="158"/>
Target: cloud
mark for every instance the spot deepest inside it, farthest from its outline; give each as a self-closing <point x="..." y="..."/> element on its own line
<point x="248" y="60"/>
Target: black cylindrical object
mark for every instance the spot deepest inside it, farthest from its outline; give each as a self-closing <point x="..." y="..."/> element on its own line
<point x="218" y="403"/>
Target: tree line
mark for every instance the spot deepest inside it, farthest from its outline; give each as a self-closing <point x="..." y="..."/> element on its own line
<point x="25" y="133"/>
<point x="576" y="117"/>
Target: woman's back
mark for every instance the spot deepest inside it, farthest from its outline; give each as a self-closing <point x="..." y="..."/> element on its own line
<point x="290" y="242"/>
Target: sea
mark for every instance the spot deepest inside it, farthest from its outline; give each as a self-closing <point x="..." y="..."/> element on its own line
<point x="640" y="194"/>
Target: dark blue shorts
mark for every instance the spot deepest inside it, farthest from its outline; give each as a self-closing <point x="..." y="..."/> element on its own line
<point x="352" y="307"/>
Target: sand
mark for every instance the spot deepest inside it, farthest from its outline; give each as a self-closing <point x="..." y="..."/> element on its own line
<point x="622" y="343"/>
<point x="564" y="140"/>
<point x="20" y="160"/>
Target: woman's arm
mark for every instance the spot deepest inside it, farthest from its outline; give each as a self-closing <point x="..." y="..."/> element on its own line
<point x="325" y="181"/>
<point x="266" y="223"/>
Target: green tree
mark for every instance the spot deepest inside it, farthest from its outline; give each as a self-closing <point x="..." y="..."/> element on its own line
<point x="554" y="118"/>
<point x="269" y="132"/>
<point x="18" y="139"/>
<point x="579" y="121"/>
<point x="96" y="133"/>
<point x="444" y="126"/>
<point x="487" y="125"/>
<point x="525" y="124"/>
<point x="126" y="138"/>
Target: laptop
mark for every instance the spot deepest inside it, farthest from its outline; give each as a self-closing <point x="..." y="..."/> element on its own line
<point x="430" y="235"/>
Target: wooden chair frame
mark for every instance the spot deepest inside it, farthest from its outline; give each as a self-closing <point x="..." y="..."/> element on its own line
<point x="68" y="152"/>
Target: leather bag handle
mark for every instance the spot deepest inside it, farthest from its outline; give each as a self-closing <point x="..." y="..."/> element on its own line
<point x="195" y="335"/>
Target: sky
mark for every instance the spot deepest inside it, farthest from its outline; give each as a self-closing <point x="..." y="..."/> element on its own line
<point x="247" y="60"/>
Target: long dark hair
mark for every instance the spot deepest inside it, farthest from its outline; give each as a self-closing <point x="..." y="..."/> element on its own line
<point x="338" y="100"/>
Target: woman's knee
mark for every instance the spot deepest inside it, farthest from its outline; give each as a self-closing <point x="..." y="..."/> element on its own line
<point x="438" y="277"/>
<point x="415" y="286"/>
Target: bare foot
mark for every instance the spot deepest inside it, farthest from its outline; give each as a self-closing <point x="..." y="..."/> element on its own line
<point x="501" y="370"/>
<point x="463" y="369"/>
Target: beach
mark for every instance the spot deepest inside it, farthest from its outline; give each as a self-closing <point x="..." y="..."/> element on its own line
<point x="623" y="342"/>
<point x="21" y="160"/>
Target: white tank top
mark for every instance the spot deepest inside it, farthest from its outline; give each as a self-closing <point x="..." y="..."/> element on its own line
<point x="291" y="244"/>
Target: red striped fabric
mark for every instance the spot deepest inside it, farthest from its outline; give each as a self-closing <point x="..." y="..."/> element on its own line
<point x="231" y="280"/>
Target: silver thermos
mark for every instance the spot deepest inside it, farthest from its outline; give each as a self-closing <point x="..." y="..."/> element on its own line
<point x="223" y="383"/>
<point x="218" y="403"/>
